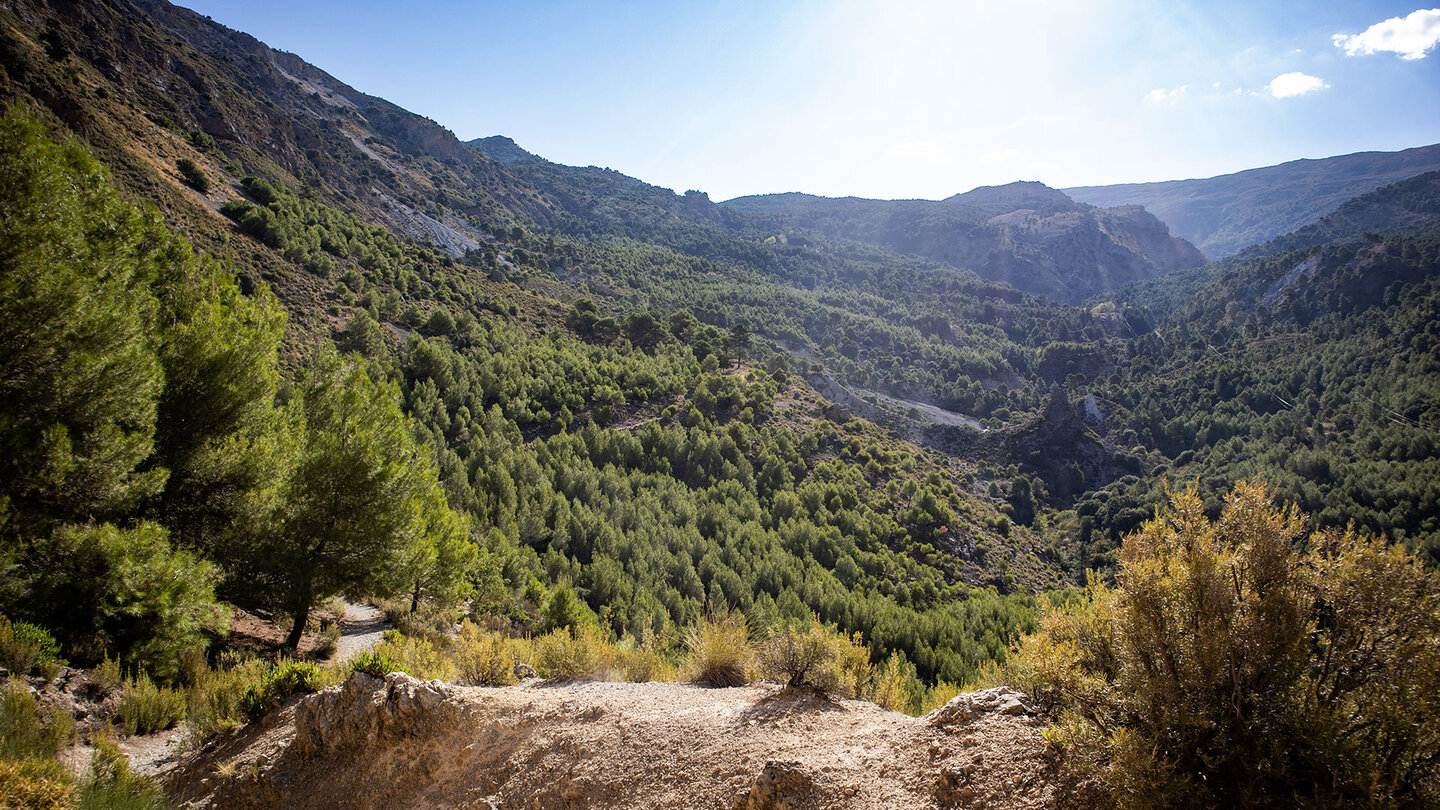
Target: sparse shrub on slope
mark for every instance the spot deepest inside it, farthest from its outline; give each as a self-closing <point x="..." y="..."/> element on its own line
<point x="820" y="657"/>
<point x="1229" y="669"/>
<point x="482" y="658"/>
<point x="720" y="652"/>
<point x="146" y="707"/>
<point x="25" y="647"/>
<point x="285" y="679"/>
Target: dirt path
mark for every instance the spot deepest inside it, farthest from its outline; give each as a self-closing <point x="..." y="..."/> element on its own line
<point x="362" y="628"/>
<point x="403" y="743"/>
<point x="156" y="754"/>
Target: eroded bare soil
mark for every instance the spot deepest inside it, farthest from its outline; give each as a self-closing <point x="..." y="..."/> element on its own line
<point x="403" y="743"/>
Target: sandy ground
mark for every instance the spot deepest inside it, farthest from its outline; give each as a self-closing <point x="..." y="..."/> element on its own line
<point x="619" y="745"/>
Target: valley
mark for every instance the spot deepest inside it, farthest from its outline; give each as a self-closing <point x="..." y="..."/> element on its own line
<point x="270" y="343"/>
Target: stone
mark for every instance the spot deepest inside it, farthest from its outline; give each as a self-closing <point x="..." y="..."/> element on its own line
<point x="971" y="706"/>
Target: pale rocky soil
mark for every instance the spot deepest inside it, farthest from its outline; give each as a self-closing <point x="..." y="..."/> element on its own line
<point x="361" y="628"/>
<point x="404" y="743"/>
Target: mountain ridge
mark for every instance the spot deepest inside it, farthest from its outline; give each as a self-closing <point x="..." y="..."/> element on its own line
<point x="1223" y="214"/>
<point x="1025" y="234"/>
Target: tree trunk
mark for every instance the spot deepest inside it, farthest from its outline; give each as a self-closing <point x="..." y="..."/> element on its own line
<point x="302" y="617"/>
<point x="415" y="597"/>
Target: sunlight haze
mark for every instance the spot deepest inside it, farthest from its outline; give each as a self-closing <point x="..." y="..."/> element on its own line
<point x="897" y="100"/>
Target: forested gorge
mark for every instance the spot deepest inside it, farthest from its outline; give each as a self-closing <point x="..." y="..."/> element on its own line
<point x="658" y="485"/>
<point x="248" y="369"/>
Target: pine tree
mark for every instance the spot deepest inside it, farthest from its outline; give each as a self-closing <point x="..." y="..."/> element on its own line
<point x="79" y="375"/>
<point x="362" y="499"/>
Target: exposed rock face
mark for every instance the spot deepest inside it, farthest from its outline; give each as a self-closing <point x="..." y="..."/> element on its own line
<point x="366" y="710"/>
<point x="780" y="786"/>
<point x="1027" y="235"/>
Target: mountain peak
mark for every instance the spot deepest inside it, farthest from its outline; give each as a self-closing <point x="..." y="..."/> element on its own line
<point x="1021" y="194"/>
<point x="503" y="150"/>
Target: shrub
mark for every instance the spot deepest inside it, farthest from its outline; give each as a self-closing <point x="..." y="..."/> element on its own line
<point x="482" y="658"/>
<point x="24" y="732"/>
<point x="113" y="786"/>
<point x="217" y="703"/>
<point x="820" y="657"/>
<point x="428" y="620"/>
<point x="193" y="175"/>
<point x="720" y="652"/>
<point x="107" y="674"/>
<point x="938" y="696"/>
<point x="568" y="654"/>
<point x="285" y="679"/>
<point x="1227" y="669"/>
<point x="891" y="687"/>
<point x="35" y="785"/>
<point x="642" y="661"/>
<point x="420" y="657"/>
<point x="24" y="647"/>
<point x="146" y="707"/>
<point x="378" y="664"/>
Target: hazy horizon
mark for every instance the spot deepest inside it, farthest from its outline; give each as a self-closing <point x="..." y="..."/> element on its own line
<point x="917" y="100"/>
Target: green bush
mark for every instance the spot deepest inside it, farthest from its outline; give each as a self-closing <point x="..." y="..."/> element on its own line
<point x="111" y="784"/>
<point x="25" y="732"/>
<point x="481" y="658"/>
<point x="35" y="784"/>
<point x="146" y="707"/>
<point x="420" y="656"/>
<point x="378" y="664"/>
<point x="193" y="175"/>
<point x="1228" y="670"/>
<point x="217" y="703"/>
<point x="568" y="654"/>
<point x="25" y="647"/>
<point x="285" y="679"/>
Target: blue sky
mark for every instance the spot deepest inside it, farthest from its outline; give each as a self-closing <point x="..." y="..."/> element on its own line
<point x="895" y="99"/>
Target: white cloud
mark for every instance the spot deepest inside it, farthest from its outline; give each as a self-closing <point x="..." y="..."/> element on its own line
<point x="1412" y="37"/>
<point x="1287" y="85"/>
<point x="1162" y="96"/>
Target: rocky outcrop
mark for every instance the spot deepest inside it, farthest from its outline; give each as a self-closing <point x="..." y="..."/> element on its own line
<point x="780" y="786"/>
<point x="1027" y="235"/>
<point x="366" y="710"/>
<point x="972" y="706"/>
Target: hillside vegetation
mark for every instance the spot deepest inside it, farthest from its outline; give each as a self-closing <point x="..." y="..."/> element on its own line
<point x="266" y="341"/>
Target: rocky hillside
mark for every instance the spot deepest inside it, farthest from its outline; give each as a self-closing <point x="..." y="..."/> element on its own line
<point x="404" y="743"/>
<point x="1024" y="234"/>
<point x="1223" y="215"/>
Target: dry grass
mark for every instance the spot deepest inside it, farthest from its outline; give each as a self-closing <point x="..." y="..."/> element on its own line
<point x="720" y="652"/>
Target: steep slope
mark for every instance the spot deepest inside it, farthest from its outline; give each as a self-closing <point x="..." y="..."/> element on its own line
<point x="250" y="109"/>
<point x="1408" y="205"/>
<point x="1029" y="236"/>
<point x="1225" y="214"/>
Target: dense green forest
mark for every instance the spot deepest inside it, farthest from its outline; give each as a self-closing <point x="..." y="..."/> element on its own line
<point x="609" y="392"/>
<point x="656" y="484"/>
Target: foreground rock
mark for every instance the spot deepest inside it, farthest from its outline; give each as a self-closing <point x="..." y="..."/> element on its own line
<point x="405" y="743"/>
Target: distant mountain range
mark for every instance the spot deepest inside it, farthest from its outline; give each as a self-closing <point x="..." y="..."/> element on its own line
<point x="1028" y="235"/>
<point x="1226" y="214"/>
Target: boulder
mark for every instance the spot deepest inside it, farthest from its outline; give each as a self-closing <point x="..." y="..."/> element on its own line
<point x="365" y="710"/>
<point x="972" y="706"/>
